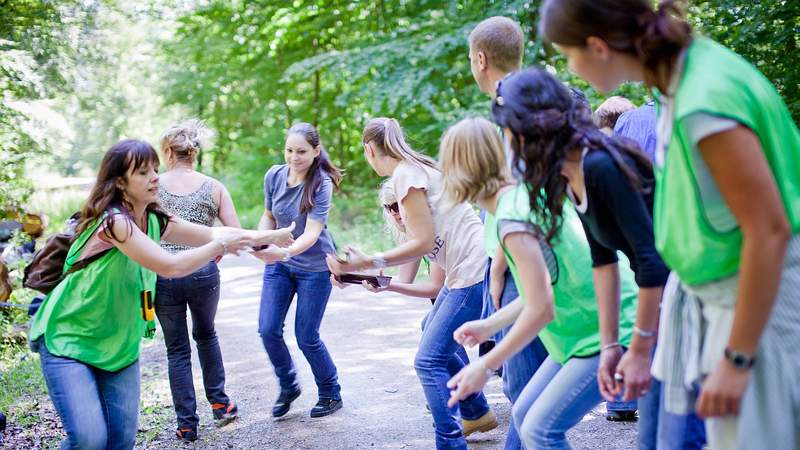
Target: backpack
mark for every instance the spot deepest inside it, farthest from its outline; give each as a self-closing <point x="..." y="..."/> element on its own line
<point x="46" y="269"/>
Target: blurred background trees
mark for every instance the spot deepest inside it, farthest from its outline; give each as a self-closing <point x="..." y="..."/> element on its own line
<point x="78" y="75"/>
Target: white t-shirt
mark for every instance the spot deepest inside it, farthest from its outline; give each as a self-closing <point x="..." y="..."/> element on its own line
<point x="458" y="246"/>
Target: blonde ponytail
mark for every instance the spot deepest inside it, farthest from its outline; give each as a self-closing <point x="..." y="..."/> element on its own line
<point x="385" y="133"/>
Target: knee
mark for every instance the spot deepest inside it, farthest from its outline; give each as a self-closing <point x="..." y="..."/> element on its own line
<point x="308" y="342"/>
<point x="518" y="415"/>
<point x="270" y="331"/>
<point x="88" y="436"/>
<point x="425" y="362"/>
<point x="204" y="335"/>
<point x="535" y="433"/>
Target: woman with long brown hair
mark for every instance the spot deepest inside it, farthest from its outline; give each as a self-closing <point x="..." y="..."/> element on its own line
<point x="299" y="191"/>
<point x="89" y="328"/>
<point x="727" y="212"/>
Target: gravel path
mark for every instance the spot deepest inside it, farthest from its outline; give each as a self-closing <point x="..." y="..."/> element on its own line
<point x="372" y="339"/>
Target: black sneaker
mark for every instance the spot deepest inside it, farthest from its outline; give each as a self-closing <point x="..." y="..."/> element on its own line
<point x="326" y="406"/>
<point x="224" y="414"/>
<point x="622" y="416"/>
<point x="284" y="401"/>
<point x="186" y="434"/>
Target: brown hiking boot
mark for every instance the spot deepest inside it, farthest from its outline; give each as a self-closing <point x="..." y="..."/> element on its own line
<point x="483" y="424"/>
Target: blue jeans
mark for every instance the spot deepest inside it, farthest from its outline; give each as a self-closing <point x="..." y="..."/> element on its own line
<point x="281" y="283"/>
<point x="200" y="293"/>
<point x="436" y="359"/>
<point x="662" y="430"/>
<point x="518" y="369"/>
<point x="475" y="405"/>
<point x="99" y="409"/>
<point x="555" y="400"/>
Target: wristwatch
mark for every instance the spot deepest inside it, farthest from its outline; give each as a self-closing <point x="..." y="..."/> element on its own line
<point x="286" y="255"/>
<point x="378" y="261"/>
<point x="739" y="360"/>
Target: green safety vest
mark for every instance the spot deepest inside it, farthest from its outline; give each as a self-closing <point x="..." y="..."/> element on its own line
<point x="575" y="329"/>
<point x="721" y="83"/>
<point x="94" y="315"/>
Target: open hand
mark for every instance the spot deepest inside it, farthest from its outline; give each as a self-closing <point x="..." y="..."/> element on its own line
<point x="722" y="391"/>
<point x="336" y="282"/>
<point x="270" y="255"/>
<point x="356" y="261"/>
<point x="467" y="381"/>
<point x="607" y="367"/>
<point x="234" y="240"/>
<point x="282" y="237"/>
<point x="473" y="333"/>
<point x="635" y="370"/>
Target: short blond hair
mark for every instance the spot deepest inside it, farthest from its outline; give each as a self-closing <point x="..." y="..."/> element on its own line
<point x="609" y="111"/>
<point x="473" y="161"/>
<point x="501" y="40"/>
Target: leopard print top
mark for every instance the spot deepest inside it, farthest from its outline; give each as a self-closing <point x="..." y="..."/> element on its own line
<point x="197" y="207"/>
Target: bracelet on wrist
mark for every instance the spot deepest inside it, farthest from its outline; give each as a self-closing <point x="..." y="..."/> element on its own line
<point x="610" y="346"/>
<point x="489" y="372"/>
<point x="643" y="333"/>
<point x="221" y="242"/>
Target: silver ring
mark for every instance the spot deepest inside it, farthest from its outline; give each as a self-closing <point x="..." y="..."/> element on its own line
<point x="644" y="392"/>
<point x="617" y="376"/>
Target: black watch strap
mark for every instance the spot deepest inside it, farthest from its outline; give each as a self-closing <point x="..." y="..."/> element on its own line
<point x="739" y="360"/>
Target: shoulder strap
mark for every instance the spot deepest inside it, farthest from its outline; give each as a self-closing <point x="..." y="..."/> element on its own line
<point x="86" y="261"/>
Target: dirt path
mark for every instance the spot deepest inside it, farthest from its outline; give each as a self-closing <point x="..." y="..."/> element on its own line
<point x="372" y="338"/>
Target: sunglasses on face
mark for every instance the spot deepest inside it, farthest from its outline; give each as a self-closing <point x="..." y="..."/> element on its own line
<point x="394" y="207"/>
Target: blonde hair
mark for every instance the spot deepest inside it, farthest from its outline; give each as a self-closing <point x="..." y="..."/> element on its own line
<point x="186" y="139"/>
<point x="473" y="161"/>
<point x="502" y="40"/>
<point x="388" y="138"/>
<point x="606" y="115"/>
<point x="390" y="226"/>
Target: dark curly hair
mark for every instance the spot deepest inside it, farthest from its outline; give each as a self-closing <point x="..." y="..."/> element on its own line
<point x="548" y="123"/>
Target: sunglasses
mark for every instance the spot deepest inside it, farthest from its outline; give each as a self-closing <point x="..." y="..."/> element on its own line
<point x="394" y="207"/>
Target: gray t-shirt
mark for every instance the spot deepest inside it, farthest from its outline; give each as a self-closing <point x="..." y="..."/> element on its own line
<point x="284" y="203"/>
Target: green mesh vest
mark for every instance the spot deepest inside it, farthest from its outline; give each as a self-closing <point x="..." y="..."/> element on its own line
<point x="575" y="329"/>
<point x="94" y="315"/>
<point x="719" y="82"/>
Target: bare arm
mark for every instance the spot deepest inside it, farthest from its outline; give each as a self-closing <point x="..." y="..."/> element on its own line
<point x="140" y="248"/>
<point x="420" y="231"/>
<point x="539" y="309"/>
<point x="267" y="221"/>
<point x="227" y="210"/>
<point x="428" y="289"/>
<point x="607" y="291"/>
<point x="736" y="161"/>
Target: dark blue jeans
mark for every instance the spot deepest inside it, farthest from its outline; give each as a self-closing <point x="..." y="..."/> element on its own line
<point x="199" y="292"/>
<point x="662" y="430"/>
<point x="437" y="358"/>
<point x="99" y="409"/>
<point x="281" y="283"/>
<point x="518" y="369"/>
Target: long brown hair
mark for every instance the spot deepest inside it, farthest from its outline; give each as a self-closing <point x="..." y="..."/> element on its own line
<point x="387" y="136"/>
<point x="321" y="165"/>
<point x="106" y="194"/>
<point x="547" y="122"/>
<point x="654" y="36"/>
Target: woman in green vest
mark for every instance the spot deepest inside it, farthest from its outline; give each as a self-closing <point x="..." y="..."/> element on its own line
<point x="89" y="327"/>
<point x="557" y="298"/>
<point x="727" y="212"/>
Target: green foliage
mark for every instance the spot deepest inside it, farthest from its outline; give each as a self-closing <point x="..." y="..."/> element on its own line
<point x="766" y="33"/>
